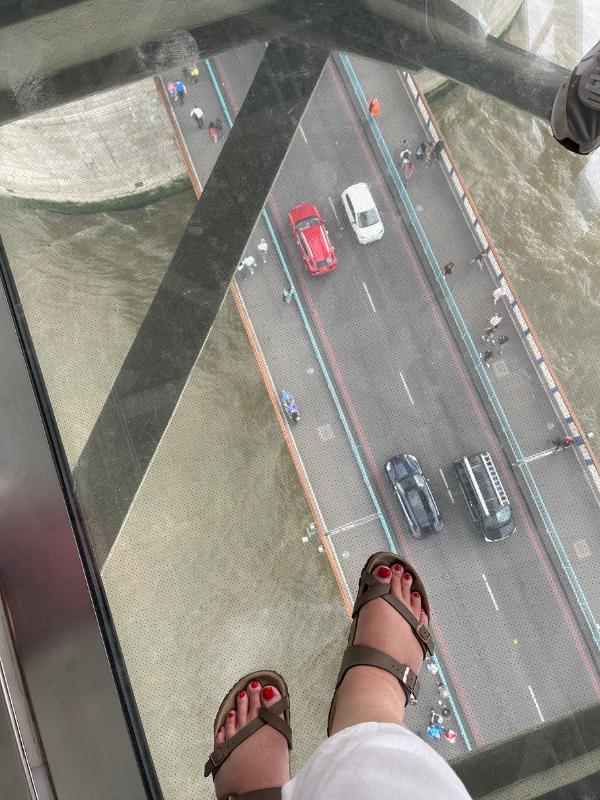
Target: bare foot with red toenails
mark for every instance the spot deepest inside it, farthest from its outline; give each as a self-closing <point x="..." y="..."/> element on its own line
<point x="370" y="694"/>
<point x="262" y="760"/>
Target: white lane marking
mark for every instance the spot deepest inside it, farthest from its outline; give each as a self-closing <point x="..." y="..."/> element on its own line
<point x="537" y="705"/>
<point x="354" y="524"/>
<point x="406" y="389"/>
<point x="399" y="74"/>
<point x="485" y="580"/>
<point x="370" y="299"/>
<point x="335" y="214"/>
<point x="301" y="129"/>
<point x="446" y="484"/>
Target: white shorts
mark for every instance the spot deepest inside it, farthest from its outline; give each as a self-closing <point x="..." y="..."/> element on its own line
<point x="375" y="760"/>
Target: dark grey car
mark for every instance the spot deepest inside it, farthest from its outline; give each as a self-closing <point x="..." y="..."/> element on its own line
<point x="414" y="495"/>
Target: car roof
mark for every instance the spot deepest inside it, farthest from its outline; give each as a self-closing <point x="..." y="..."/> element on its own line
<point x="317" y="242"/>
<point x="361" y="197"/>
<point x="421" y="506"/>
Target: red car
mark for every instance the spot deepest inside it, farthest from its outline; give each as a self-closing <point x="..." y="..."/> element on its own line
<point x="313" y="240"/>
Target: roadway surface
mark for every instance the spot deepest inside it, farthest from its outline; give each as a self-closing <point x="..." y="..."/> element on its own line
<point x="509" y="638"/>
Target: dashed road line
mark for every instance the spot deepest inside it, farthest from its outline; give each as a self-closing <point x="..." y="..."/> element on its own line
<point x="446" y="485"/>
<point x="370" y="299"/>
<point x="537" y="705"/>
<point x="489" y="588"/>
<point x="301" y="129"/>
<point x="335" y="214"/>
<point x="406" y="389"/>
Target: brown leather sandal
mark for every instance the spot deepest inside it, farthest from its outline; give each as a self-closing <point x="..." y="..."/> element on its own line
<point x="266" y="716"/>
<point x="369" y="588"/>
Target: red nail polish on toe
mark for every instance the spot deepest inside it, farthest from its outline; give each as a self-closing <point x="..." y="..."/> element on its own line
<point x="242" y="694"/>
<point x="383" y="572"/>
<point x="255" y="684"/>
<point x="268" y="693"/>
<point x="231" y="714"/>
<point x="416" y="595"/>
<point x="397" y="567"/>
<point x="406" y="576"/>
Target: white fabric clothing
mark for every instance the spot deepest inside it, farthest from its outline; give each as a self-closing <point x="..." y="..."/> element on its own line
<point x="262" y="246"/>
<point x="375" y="761"/>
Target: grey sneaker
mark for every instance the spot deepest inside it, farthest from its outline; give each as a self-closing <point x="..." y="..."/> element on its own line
<point x="576" y="109"/>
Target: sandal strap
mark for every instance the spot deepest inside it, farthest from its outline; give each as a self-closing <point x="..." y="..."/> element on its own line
<point x="266" y="716"/>
<point x="384" y="591"/>
<point x="359" y="655"/>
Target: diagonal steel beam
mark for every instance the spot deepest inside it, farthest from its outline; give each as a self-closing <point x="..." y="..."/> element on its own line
<point x="413" y="34"/>
<point x="152" y="378"/>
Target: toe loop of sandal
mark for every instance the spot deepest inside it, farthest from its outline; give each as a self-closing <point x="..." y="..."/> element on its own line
<point x="266" y="716"/>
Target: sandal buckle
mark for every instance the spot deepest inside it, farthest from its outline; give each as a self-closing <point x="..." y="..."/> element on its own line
<point x="411" y="682"/>
<point x="424" y="634"/>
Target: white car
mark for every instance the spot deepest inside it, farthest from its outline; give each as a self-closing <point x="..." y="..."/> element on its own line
<point x="362" y="213"/>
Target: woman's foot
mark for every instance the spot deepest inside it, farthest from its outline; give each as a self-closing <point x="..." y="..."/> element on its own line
<point x="370" y="694"/>
<point x="262" y="760"/>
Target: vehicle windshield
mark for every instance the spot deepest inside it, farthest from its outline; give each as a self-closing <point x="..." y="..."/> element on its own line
<point x="503" y="515"/>
<point x="368" y="217"/>
<point x="413" y="481"/>
<point x="309" y="222"/>
<point x="324" y="262"/>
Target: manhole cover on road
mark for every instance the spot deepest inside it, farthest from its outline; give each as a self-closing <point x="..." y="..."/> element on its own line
<point x="325" y="433"/>
<point x="500" y="368"/>
<point x="582" y="549"/>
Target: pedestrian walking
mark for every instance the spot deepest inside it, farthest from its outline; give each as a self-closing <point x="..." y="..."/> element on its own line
<point x="171" y="90"/>
<point x="443" y="692"/>
<point x="219" y="128"/>
<point x="197" y="114"/>
<point x="449" y="268"/>
<point x="563" y="443"/>
<point x="486" y="356"/>
<point x="186" y="73"/>
<point x="423" y="151"/>
<point x="479" y="260"/>
<point x="212" y="131"/>
<point x="432" y="668"/>
<point x="247" y="263"/>
<point x="195" y="73"/>
<point x="450" y="736"/>
<point x="437" y="148"/>
<point x="495" y="321"/>
<point x="488" y="335"/>
<point x="502" y="342"/>
<point x="405" y="163"/>
<point x="181" y="91"/>
<point x="435" y="732"/>
<point x="498" y="292"/>
<point x="374" y="107"/>
<point x="262" y="248"/>
<point x="288" y="295"/>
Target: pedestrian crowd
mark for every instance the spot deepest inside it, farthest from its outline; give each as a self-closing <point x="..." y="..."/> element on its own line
<point x="437" y="728"/>
<point x="177" y="91"/>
